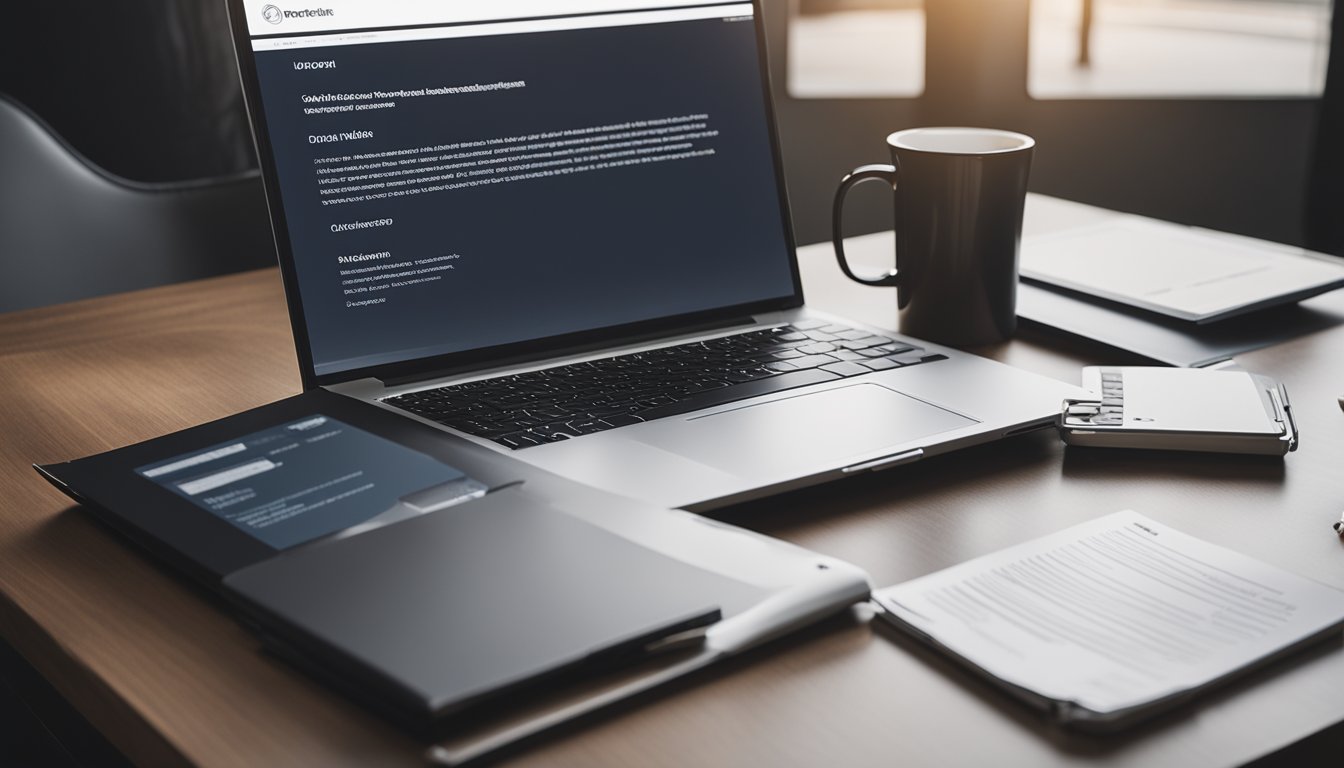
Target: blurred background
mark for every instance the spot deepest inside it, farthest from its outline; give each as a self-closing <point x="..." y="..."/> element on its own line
<point x="147" y="89"/>
<point x="1209" y="112"/>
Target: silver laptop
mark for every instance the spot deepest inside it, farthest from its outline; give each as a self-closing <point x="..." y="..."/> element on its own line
<point x="559" y="229"/>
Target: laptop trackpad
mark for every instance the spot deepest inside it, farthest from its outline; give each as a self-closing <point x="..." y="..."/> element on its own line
<point x="806" y="433"/>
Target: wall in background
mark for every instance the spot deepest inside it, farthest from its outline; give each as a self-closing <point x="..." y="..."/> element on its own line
<point x="1325" y="201"/>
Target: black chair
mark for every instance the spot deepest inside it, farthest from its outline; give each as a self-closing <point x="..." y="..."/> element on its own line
<point x="70" y="230"/>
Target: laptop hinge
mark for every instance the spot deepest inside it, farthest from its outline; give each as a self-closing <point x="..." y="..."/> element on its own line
<point x="575" y="350"/>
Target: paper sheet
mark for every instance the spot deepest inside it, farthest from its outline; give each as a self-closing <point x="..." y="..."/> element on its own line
<point x="1114" y="613"/>
<point x="1180" y="271"/>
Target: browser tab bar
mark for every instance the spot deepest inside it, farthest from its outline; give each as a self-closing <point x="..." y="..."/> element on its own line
<point x="285" y="17"/>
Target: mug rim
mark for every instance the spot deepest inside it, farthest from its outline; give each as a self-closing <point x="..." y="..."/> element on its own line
<point x="897" y="140"/>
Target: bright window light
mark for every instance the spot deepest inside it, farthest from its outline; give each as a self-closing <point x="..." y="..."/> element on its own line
<point x="856" y="48"/>
<point x="1178" y="48"/>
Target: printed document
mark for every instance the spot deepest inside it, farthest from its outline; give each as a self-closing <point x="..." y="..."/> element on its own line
<point x="1113" y="614"/>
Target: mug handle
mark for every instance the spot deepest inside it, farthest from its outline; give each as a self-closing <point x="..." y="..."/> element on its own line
<point x="884" y="172"/>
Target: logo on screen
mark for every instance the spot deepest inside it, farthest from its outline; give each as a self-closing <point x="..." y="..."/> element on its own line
<point x="274" y="15"/>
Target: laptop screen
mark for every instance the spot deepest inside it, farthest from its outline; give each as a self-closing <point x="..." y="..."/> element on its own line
<point x="456" y="176"/>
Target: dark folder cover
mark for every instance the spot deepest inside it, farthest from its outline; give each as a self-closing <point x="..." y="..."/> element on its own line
<point x="420" y="572"/>
<point x="452" y="608"/>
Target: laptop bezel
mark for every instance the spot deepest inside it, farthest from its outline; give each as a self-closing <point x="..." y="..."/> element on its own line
<point x="546" y="347"/>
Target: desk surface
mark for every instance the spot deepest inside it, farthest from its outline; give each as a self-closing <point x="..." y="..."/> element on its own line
<point x="159" y="668"/>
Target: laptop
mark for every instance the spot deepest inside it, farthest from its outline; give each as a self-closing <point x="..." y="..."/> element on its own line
<point x="560" y="230"/>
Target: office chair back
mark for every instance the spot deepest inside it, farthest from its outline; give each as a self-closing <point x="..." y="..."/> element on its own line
<point x="70" y="230"/>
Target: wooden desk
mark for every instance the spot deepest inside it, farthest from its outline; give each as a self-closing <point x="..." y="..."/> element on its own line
<point x="170" y="678"/>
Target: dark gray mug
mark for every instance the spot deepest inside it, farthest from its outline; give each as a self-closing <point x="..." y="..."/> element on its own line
<point x="959" y="197"/>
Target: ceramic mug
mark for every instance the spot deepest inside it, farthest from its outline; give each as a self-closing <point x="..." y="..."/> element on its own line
<point x="959" y="194"/>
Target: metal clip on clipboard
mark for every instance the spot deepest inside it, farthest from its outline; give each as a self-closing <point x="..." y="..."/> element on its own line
<point x="1182" y="410"/>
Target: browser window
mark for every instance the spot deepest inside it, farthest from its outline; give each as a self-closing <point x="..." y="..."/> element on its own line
<point x="456" y="176"/>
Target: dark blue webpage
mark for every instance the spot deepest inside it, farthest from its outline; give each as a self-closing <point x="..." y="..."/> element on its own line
<point x="446" y="195"/>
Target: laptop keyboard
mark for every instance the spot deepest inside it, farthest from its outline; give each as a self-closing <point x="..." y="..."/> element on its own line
<point x="545" y="406"/>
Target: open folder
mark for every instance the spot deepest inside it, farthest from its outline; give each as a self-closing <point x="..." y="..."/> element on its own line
<point x="426" y="576"/>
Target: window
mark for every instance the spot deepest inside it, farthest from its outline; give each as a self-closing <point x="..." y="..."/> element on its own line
<point x="1170" y="48"/>
<point x="856" y="48"/>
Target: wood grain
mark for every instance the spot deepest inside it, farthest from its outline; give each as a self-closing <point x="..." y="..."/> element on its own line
<point x="162" y="670"/>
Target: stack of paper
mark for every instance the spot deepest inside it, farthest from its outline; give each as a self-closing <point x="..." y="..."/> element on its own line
<point x="1188" y="273"/>
<point x="1106" y="621"/>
